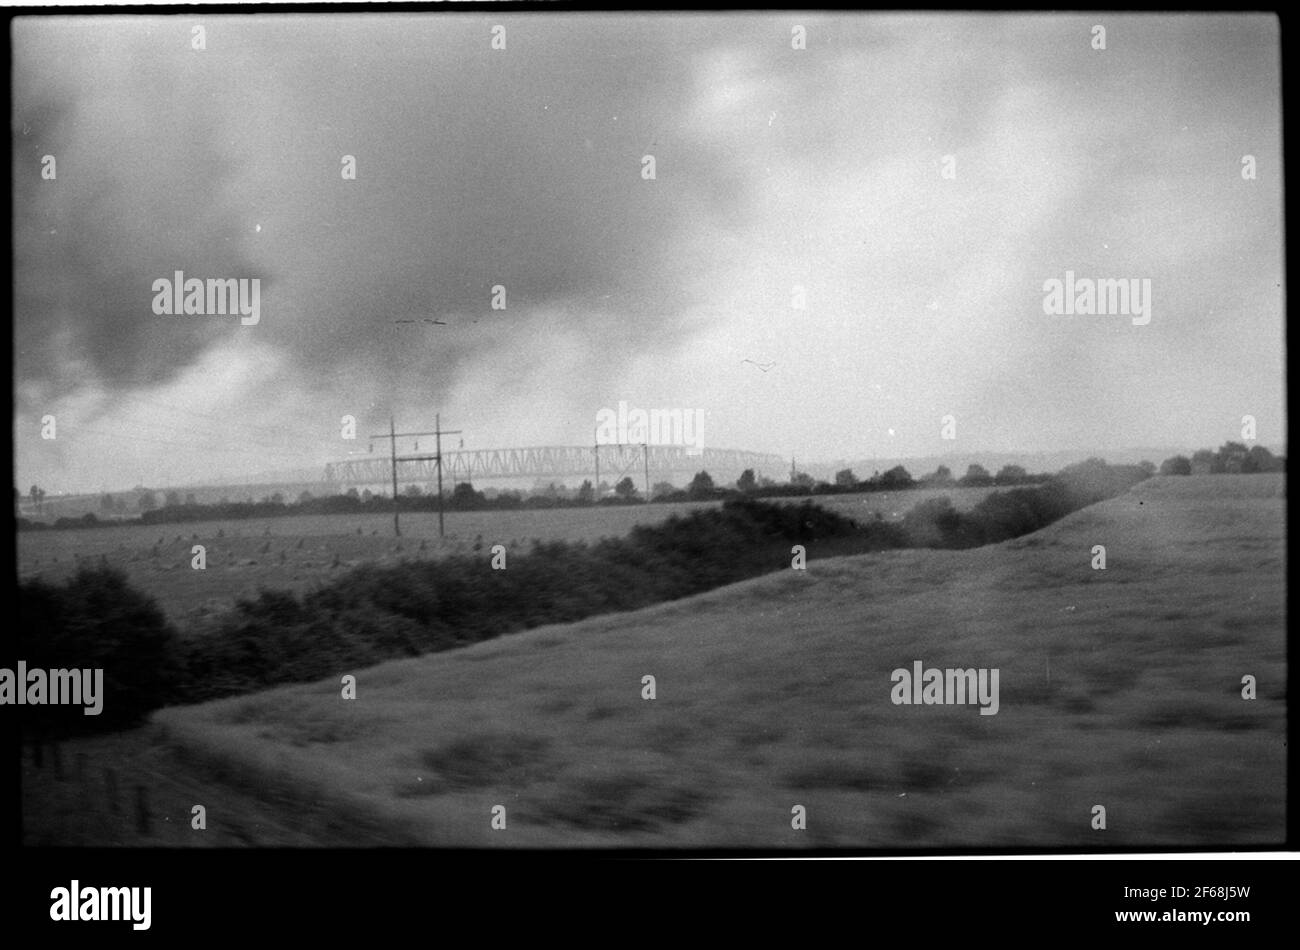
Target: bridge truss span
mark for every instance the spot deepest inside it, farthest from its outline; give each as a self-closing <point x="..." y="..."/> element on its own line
<point x="666" y="463"/>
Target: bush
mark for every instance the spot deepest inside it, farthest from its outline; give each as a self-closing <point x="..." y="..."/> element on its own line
<point x="93" y="620"/>
<point x="373" y="614"/>
<point x="1010" y="514"/>
<point x="931" y="524"/>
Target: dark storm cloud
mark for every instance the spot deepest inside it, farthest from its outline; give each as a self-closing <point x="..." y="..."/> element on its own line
<point x="475" y="168"/>
<point x="519" y="168"/>
<point x="131" y="202"/>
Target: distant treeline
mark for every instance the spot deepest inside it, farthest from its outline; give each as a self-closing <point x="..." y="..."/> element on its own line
<point x="373" y="614"/>
<point x="1233" y="458"/>
<point x="464" y="497"/>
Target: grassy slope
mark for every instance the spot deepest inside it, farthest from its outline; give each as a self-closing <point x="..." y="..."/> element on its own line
<point x="775" y="691"/>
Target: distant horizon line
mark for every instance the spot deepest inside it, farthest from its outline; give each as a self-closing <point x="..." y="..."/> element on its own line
<point x="279" y="476"/>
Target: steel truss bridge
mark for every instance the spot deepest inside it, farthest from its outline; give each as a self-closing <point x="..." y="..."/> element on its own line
<point x="667" y="463"/>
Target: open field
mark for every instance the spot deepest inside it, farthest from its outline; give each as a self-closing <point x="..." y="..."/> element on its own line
<point x="297" y="553"/>
<point x="1118" y="688"/>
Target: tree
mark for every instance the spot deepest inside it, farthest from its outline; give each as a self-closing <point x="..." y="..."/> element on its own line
<point x="802" y="479"/>
<point x="977" y="476"/>
<point x="464" y="496"/>
<point x="351" y="493"/>
<point x="662" y="489"/>
<point x="413" y="491"/>
<point x="701" y="486"/>
<point x="304" y="497"/>
<point x="586" y="492"/>
<point x="106" y="502"/>
<point x="1148" y="467"/>
<point x="172" y="499"/>
<point x="366" y="496"/>
<point x="896" y="478"/>
<point x="1178" y="465"/>
<point x="190" y="499"/>
<point x="846" y="479"/>
<point x="552" y="490"/>
<point x="277" y="499"/>
<point x="1205" y="462"/>
<point x="1259" y="459"/>
<point x="1010" y="475"/>
<point x="97" y="614"/>
<point x="940" y="476"/>
<point x="746" y="481"/>
<point x="1232" y="455"/>
<point x="38" y="497"/>
<point x="626" y="488"/>
<point x="147" y="501"/>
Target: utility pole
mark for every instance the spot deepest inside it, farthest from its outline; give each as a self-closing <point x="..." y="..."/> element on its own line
<point x="596" y="452"/>
<point x="645" y="448"/>
<point x="393" y="434"/>
<point x="438" y="433"/>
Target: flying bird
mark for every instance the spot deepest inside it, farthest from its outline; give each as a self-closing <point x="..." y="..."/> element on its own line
<point x="763" y="366"/>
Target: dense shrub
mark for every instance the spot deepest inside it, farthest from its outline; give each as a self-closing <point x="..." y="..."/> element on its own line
<point x="1010" y="514"/>
<point x="932" y="523"/>
<point x="374" y="613"/>
<point x="95" y="619"/>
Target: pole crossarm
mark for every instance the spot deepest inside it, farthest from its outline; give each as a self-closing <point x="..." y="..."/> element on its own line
<point x="393" y="435"/>
<point x="404" y="435"/>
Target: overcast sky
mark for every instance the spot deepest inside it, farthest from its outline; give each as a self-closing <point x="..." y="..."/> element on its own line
<point x="775" y="168"/>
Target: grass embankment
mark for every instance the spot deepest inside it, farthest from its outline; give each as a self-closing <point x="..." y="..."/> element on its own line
<point x="1119" y="687"/>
